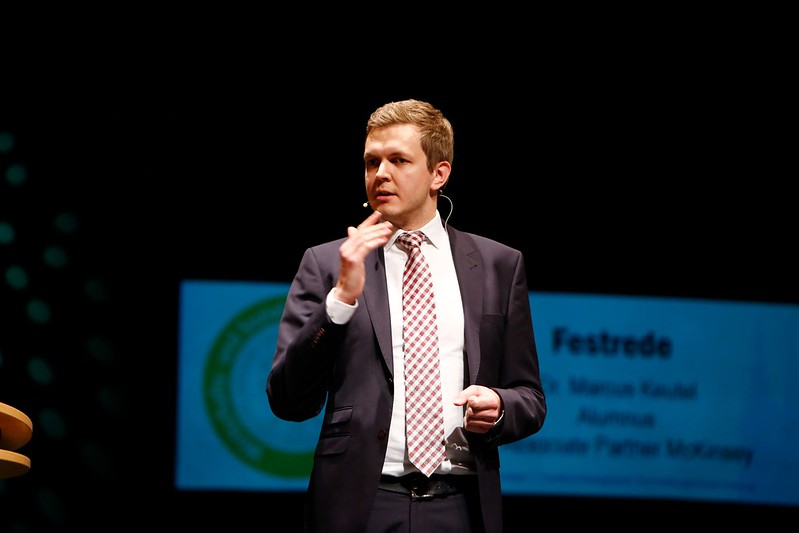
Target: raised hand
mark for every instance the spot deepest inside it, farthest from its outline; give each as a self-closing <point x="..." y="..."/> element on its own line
<point x="361" y="240"/>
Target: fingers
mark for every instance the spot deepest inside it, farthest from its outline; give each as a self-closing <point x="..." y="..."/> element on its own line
<point x="364" y="239"/>
<point x="469" y="394"/>
<point x="367" y="236"/>
<point x="371" y="220"/>
<point x="361" y="240"/>
<point x="482" y="408"/>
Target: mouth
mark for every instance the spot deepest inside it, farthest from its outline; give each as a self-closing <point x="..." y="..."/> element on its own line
<point x="382" y="196"/>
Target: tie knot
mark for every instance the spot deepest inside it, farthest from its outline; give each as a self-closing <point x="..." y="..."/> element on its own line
<point x="411" y="239"/>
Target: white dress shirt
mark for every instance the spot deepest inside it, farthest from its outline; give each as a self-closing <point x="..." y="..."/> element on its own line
<point x="449" y="314"/>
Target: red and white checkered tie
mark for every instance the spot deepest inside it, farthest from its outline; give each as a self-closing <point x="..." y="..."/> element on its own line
<point x="424" y="419"/>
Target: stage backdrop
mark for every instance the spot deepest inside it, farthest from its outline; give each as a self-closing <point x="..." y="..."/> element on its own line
<point x="648" y="398"/>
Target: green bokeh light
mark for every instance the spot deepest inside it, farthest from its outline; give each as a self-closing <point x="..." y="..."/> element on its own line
<point x="52" y="424"/>
<point x="6" y="233"/>
<point x="39" y="311"/>
<point x="40" y="370"/>
<point x="16" y="174"/>
<point x="111" y="400"/>
<point x="16" y="277"/>
<point x="51" y="508"/>
<point x="66" y="222"/>
<point x="6" y="142"/>
<point x="98" y="459"/>
<point x="100" y="349"/>
<point x="96" y="289"/>
<point x="55" y="256"/>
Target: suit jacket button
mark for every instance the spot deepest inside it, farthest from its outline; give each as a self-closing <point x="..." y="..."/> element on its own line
<point x="317" y="336"/>
<point x="382" y="434"/>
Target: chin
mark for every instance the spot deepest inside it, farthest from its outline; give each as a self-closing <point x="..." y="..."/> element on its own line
<point x="386" y="210"/>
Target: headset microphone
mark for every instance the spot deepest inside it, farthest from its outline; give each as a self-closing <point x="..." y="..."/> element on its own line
<point x="451" y="206"/>
<point x="366" y="204"/>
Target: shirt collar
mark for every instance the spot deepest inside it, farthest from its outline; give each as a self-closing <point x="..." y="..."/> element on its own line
<point x="433" y="230"/>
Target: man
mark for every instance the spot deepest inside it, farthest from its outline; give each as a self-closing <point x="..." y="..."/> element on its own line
<point x="341" y="347"/>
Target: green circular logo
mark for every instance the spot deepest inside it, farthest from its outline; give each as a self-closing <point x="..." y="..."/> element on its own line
<point x="221" y="387"/>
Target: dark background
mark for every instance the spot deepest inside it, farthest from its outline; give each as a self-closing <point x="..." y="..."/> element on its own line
<point x="645" y="178"/>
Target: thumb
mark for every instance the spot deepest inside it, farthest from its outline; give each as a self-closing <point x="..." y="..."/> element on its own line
<point x="464" y="395"/>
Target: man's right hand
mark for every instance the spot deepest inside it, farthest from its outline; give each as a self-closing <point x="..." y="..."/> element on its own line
<point x="361" y="240"/>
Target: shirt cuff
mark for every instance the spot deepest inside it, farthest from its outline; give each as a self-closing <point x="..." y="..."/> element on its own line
<point x="338" y="311"/>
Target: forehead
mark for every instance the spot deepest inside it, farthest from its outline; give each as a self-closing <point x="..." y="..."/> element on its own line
<point x="404" y="137"/>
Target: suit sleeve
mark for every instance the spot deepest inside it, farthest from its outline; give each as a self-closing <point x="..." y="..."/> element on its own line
<point x="307" y="345"/>
<point x="519" y="382"/>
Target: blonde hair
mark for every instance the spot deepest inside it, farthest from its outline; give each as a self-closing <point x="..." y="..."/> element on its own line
<point x="438" y="142"/>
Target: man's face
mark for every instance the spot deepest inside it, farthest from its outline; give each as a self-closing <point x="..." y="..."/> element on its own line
<point x="397" y="179"/>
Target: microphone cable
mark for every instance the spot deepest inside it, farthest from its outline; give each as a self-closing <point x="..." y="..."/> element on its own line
<point x="451" y="206"/>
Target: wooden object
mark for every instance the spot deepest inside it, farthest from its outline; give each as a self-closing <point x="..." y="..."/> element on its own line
<point x="16" y="430"/>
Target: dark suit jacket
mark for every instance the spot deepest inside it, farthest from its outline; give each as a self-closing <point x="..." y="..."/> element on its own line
<point x="348" y="371"/>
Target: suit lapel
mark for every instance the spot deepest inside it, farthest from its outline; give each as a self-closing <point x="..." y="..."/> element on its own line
<point x="375" y="296"/>
<point x="468" y="267"/>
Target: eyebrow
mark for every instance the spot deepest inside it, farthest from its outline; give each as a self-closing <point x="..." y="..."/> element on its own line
<point x="393" y="153"/>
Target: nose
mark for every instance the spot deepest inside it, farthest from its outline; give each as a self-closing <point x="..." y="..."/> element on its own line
<point x="382" y="171"/>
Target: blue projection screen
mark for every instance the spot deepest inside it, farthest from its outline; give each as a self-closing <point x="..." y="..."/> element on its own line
<point x="648" y="398"/>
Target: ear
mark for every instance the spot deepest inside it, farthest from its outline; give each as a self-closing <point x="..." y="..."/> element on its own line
<point x="440" y="175"/>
